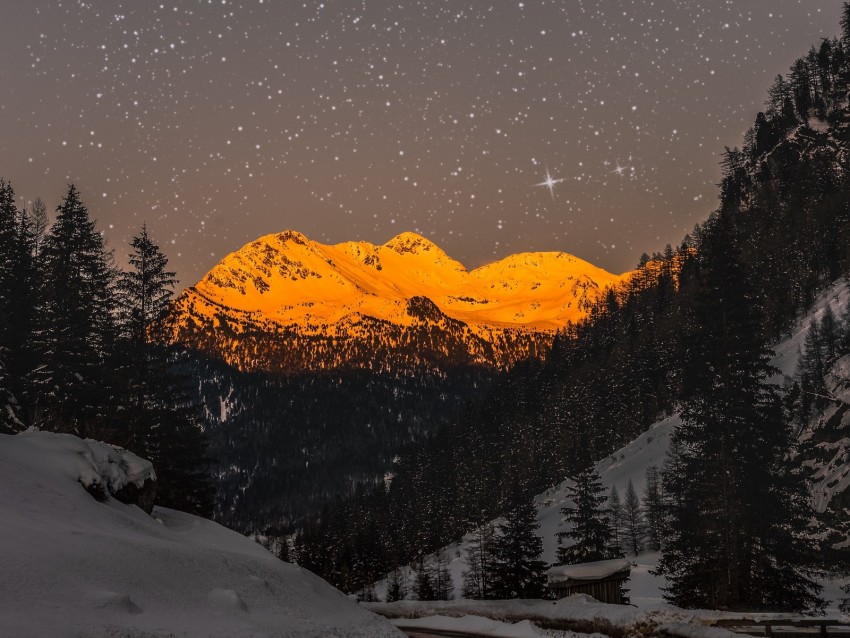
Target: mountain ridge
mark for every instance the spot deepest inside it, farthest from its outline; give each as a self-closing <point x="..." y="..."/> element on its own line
<point x="284" y="287"/>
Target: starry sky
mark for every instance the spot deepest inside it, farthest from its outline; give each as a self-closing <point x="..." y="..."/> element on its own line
<point x="491" y="127"/>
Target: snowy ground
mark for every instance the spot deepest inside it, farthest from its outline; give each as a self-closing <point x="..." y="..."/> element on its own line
<point x="569" y="616"/>
<point x="72" y="566"/>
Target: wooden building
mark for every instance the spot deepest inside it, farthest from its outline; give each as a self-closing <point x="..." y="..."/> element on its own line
<point x="603" y="580"/>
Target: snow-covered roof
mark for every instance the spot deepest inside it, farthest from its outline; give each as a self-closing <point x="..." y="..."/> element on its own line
<point x="588" y="571"/>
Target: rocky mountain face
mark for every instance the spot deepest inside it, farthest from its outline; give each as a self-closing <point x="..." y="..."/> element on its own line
<point x="286" y="304"/>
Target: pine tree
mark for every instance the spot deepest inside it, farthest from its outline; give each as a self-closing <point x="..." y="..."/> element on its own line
<point x="616" y="514"/>
<point x="738" y="511"/>
<point x="518" y="571"/>
<point x="653" y="509"/>
<point x="19" y="295"/>
<point x="634" y="521"/>
<point x="78" y="333"/>
<point x="590" y="524"/>
<point x="163" y="422"/>
<point x="396" y="589"/>
<point x="477" y="577"/>
<point x="9" y="420"/>
<point x="443" y="584"/>
<point x="423" y="585"/>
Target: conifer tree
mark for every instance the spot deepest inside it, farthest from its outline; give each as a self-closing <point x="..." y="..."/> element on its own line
<point x="478" y="575"/>
<point x="590" y="523"/>
<point x="653" y="509"/>
<point x="163" y="422"/>
<point x="396" y="589"/>
<point x="19" y="294"/>
<point x="79" y="331"/>
<point x="518" y="571"/>
<point x="9" y="421"/>
<point x="616" y="513"/>
<point x="635" y="525"/>
<point x="443" y="585"/>
<point x="423" y="585"/>
<point x="738" y="511"/>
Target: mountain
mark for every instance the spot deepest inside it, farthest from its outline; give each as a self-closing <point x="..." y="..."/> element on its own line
<point x="285" y="303"/>
<point x="74" y="565"/>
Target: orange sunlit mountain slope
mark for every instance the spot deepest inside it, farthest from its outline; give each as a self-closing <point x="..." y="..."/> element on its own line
<point x="286" y="303"/>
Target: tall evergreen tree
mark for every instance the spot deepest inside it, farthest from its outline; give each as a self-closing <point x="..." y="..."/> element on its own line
<point x="443" y="584"/>
<point x="738" y="510"/>
<point x="635" y="526"/>
<point x="79" y="330"/>
<point x="163" y="422"/>
<point x="9" y="420"/>
<point x="478" y="575"/>
<point x="590" y="524"/>
<point x="616" y="514"/>
<point x="423" y="585"/>
<point x="653" y="509"/>
<point x="518" y="571"/>
<point x="396" y="587"/>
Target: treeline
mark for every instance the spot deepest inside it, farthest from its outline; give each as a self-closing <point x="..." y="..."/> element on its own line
<point x="78" y="351"/>
<point x="288" y="445"/>
<point x="689" y="332"/>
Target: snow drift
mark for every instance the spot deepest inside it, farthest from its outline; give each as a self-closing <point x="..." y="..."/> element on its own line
<point x="74" y="566"/>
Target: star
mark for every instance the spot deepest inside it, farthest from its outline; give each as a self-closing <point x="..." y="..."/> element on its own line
<point x="549" y="183"/>
<point x="619" y="170"/>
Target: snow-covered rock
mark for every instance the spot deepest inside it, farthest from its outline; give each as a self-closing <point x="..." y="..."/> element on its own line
<point x="74" y="566"/>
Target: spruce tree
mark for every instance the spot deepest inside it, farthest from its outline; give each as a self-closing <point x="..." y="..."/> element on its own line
<point x="738" y="511"/>
<point x="396" y="589"/>
<point x="616" y="513"/>
<point x="163" y="422"/>
<point x="635" y="526"/>
<point x="19" y="295"/>
<point x="423" y="585"/>
<point x="518" y="571"/>
<point x="590" y="524"/>
<point x="478" y="575"/>
<point x="653" y="509"/>
<point x="443" y="584"/>
<point x="78" y="333"/>
<point x="9" y="420"/>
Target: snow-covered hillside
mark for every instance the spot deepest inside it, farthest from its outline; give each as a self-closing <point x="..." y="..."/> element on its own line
<point x="650" y="448"/>
<point x="73" y="566"/>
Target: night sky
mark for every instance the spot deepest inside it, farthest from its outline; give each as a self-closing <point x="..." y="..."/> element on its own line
<point x="219" y="121"/>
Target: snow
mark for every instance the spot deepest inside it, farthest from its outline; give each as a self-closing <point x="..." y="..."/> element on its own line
<point x="89" y="462"/>
<point x="578" y="613"/>
<point x="474" y="625"/>
<point x="588" y="571"/>
<point x="73" y="566"/>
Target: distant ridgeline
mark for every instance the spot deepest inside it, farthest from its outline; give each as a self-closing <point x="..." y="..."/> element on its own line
<point x="288" y="305"/>
<point x="782" y="225"/>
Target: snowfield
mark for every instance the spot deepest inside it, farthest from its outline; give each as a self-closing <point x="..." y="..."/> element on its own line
<point x="73" y="566"/>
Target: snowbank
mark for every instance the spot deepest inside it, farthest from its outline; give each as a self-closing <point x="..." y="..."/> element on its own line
<point x="482" y="627"/>
<point x="73" y="566"/>
<point x="90" y="462"/>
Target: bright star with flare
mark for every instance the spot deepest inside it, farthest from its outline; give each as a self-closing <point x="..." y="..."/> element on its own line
<point x="550" y="182"/>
